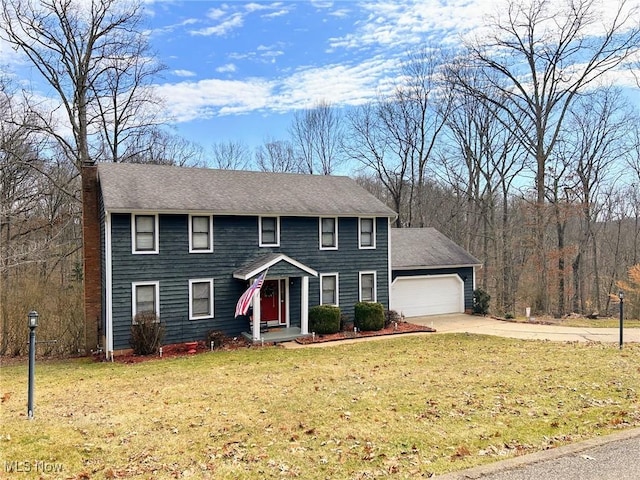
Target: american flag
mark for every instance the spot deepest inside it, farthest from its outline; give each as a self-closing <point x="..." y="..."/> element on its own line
<point x="243" y="304"/>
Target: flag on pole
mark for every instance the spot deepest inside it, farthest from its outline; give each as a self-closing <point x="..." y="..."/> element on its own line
<point x="243" y="304"/>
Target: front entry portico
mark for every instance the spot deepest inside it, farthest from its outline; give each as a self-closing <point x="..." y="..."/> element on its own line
<point x="285" y="290"/>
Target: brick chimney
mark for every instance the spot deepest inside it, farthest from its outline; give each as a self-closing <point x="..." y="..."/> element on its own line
<point x="92" y="257"/>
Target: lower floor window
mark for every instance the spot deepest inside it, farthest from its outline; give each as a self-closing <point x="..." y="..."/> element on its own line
<point x="201" y="298"/>
<point x="145" y="299"/>
<point x="367" y="286"/>
<point x="329" y="289"/>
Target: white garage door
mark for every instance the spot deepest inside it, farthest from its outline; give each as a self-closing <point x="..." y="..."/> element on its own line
<point x="427" y="295"/>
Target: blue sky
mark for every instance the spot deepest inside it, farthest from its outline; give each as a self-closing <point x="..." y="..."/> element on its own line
<point x="238" y="70"/>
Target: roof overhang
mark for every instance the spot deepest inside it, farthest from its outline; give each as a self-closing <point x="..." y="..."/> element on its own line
<point x="260" y="264"/>
<point x="434" y="267"/>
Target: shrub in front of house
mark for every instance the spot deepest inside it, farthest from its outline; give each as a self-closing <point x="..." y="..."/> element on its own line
<point x="324" y="319"/>
<point x="147" y="334"/>
<point x="481" y="301"/>
<point x="216" y="339"/>
<point x="369" y="316"/>
<point x="391" y="317"/>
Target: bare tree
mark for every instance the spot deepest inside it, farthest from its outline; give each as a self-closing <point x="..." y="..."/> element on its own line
<point x="396" y="136"/>
<point x="76" y="46"/>
<point x="125" y="105"/>
<point x="541" y="57"/>
<point x="18" y="193"/>
<point x="230" y="155"/>
<point x="160" y="147"/>
<point x="276" y="156"/>
<point x="597" y="132"/>
<point x="483" y="164"/>
<point x="316" y="134"/>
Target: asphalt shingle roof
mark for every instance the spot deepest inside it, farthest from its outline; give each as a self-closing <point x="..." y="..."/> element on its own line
<point x="413" y="248"/>
<point x="135" y="187"/>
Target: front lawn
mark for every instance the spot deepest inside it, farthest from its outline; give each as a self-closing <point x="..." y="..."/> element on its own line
<point x="405" y="407"/>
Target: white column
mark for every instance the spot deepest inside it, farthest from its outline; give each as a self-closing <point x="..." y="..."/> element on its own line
<point x="304" y="307"/>
<point x="256" y="316"/>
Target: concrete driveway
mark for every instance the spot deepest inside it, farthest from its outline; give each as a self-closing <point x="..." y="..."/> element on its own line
<point x="460" y="323"/>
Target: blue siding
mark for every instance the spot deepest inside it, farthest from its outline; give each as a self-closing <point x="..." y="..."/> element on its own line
<point x="235" y="244"/>
<point x="465" y="273"/>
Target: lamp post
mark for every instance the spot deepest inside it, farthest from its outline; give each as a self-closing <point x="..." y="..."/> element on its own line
<point x="33" y="323"/>
<point x="621" y="297"/>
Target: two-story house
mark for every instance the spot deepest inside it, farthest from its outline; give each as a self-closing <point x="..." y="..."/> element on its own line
<point x="185" y="243"/>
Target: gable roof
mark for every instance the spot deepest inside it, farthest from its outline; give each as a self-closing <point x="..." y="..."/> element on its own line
<point x="267" y="261"/>
<point x="161" y="188"/>
<point x="414" y="248"/>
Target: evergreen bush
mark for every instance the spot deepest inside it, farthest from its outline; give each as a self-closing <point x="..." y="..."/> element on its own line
<point x="324" y="319"/>
<point x="369" y="316"/>
<point x="481" y="301"/>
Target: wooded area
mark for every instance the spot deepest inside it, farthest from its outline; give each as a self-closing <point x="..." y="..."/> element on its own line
<point x="517" y="145"/>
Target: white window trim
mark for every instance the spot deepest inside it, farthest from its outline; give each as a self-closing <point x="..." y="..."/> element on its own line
<point x="198" y="250"/>
<point x="156" y="234"/>
<point x="335" y="219"/>
<point x="366" y="247"/>
<point x="134" y="299"/>
<point x="375" y="285"/>
<point x="322" y="275"/>
<point x="277" y="244"/>
<point x="200" y="280"/>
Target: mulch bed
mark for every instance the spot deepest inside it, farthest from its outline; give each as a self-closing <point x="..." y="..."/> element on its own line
<point x="182" y="350"/>
<point x="398" y="328"/>
<point x="235" y="343"/>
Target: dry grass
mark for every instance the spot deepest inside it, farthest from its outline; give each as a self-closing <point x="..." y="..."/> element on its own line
<point x="403" y="407"/>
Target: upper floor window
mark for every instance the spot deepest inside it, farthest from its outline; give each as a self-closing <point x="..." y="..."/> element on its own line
<point x="200" y="298"/>
<point x="328" y="233"/>
<point x="145" y="233"/>
<point x="145" y="299"/>
<point x="329" y="289"/>
<point x="367" y="286"/>
<point x="200" y="234"/>
<point x="269" y="231"/>
<point x="367" y="233"/>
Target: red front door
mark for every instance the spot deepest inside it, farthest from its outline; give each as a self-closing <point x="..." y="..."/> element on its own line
<point x="270" y="301"/>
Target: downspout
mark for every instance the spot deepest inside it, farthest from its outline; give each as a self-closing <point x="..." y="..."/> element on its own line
<point x="389" y="278"/>
<point x="108" y="287"/>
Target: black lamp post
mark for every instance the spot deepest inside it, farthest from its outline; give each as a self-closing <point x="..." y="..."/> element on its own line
<point x="33" y="323"/>
<point x="621" y="297"/>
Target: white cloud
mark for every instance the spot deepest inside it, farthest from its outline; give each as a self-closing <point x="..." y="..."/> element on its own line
<point x="233" y="22"/>
<point x="277" y="13"/>
<point x="228" y="68"/>
<point x="184" y="73"/>
<point x="340" y="13"/>
<point x="188" y="101"/>
<point x="338" y="84"/>
<point x="216" y="13"/>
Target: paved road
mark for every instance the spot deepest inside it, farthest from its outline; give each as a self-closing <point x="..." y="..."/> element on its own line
<point x="456" y="323"/>
<point x="614" y="457"/>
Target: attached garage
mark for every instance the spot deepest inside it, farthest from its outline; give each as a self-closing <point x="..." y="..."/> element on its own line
<point x="431" y="274"/>
<point x="427" y="295"/>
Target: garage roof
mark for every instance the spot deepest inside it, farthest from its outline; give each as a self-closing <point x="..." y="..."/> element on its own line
<point x="416" y="248"/>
